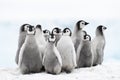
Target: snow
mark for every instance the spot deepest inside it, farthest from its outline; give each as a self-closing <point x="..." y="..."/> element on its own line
<point x="106" y="71"/>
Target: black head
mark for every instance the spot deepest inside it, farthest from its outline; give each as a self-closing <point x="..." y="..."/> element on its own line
<point x="51" y="38"/>
<point x="31" y="30"/>
<point x="56" y="31"/>
<point x="80" y="24"/>
<point x="67" y="32"/>
<point x="24" y="27"/>
<point x="101" y="28"/>
<point x="46" y="32"/>
<point x="87" y="37"/>
<point x="39" y="27"/>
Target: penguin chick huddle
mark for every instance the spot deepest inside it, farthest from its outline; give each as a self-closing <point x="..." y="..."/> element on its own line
<point x="58" y="50"/>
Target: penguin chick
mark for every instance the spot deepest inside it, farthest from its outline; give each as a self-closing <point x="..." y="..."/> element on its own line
<point x="40" y="39"/>
<point x="58" y="33"/>
<point x="98" y="44"/>
<point x="77" y="35"/>
<point x="46" y="34"/>
<point x="22" y="36"/>
<point x="67" y="32"/>
<point x="30" y="60"/>
<point x="52" y="59"/>
<point x="66" y="49"/>
<point x="84" y="53"/>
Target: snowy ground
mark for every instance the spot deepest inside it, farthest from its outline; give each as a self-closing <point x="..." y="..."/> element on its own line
<point x="106" y="71"/>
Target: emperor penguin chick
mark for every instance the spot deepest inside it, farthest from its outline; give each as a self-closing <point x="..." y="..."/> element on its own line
<point x="52" y="59"/>
<point x="58" y="33"/>
<point x="67" y="51"/>
<point x="40" y="39"/>
<point x="98" y="44"/>
<point x="22" y="36"/>
<point x="46" y="34"/>
<point x="30" y="60"/>
<point x="77" y="35"/>
<point x="84" y="53"/>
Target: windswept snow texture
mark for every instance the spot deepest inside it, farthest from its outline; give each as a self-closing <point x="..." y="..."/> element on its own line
<point x="107" y="71"/>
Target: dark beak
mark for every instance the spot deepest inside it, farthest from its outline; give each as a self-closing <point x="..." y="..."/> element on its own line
<point x="86" y="23"/>
<point x="105" y="28"/>
<point x="44" y="31"/>
<point x="31" y="28"/>
<point x="59" y="31"/>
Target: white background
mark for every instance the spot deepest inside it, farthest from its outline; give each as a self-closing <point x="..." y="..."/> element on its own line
<point x="61" y="13"/>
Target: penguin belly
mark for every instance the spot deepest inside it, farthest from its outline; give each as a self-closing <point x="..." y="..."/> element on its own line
<point x="67" y="52"/>
<point x="41" y="43"/>
<point x="85" y="55"/>
<point x="51" y="62"/>
<point x="31" y="60"/>
<point x="98" y="51"/>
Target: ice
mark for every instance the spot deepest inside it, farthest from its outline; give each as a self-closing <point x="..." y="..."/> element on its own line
<point x="106" y="71"/>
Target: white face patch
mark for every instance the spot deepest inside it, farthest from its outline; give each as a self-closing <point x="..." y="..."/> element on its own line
<point x="31" y="32"/>
<point x="46" y="33"/>
<point x="26" y="27"/>
<point x="87" y="38"/>
<point x="55" y="31"/>
<point x="82" y="24"/>
<point x="52" y="39"/>
<point x="67" y="33"/>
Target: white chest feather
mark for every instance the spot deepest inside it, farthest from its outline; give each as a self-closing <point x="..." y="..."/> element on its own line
<point x="66" y="48"/>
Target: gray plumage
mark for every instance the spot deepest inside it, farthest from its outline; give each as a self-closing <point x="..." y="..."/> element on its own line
<point x="98" y="44"/>
<point x="22" y="36"/>
<point x="46" y="34"/>
<point x="30" y="60"/>
<point x="77" y="35"/>
<point x="58" y="33"/>
<point x="84" y="54"/>
<point x="52" y="59"/>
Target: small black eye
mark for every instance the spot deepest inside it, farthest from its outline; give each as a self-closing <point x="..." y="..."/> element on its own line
<point x="67" y="30"/>
<point x="83" y="23"/>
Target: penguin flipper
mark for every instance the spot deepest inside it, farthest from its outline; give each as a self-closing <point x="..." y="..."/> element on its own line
<point x="58" y="56"/>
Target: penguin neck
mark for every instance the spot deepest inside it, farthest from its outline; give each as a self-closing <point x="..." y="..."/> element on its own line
<point x="46" y="37"/>
<point x="30" y="39"/>
<point x="99" y="33"/>
<point x="57" y="38"/>
<point x="39" y="37"/>
<point x="38" y="32"/>
<point x="77" y="32"/>
<point x="51" y="45"/>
